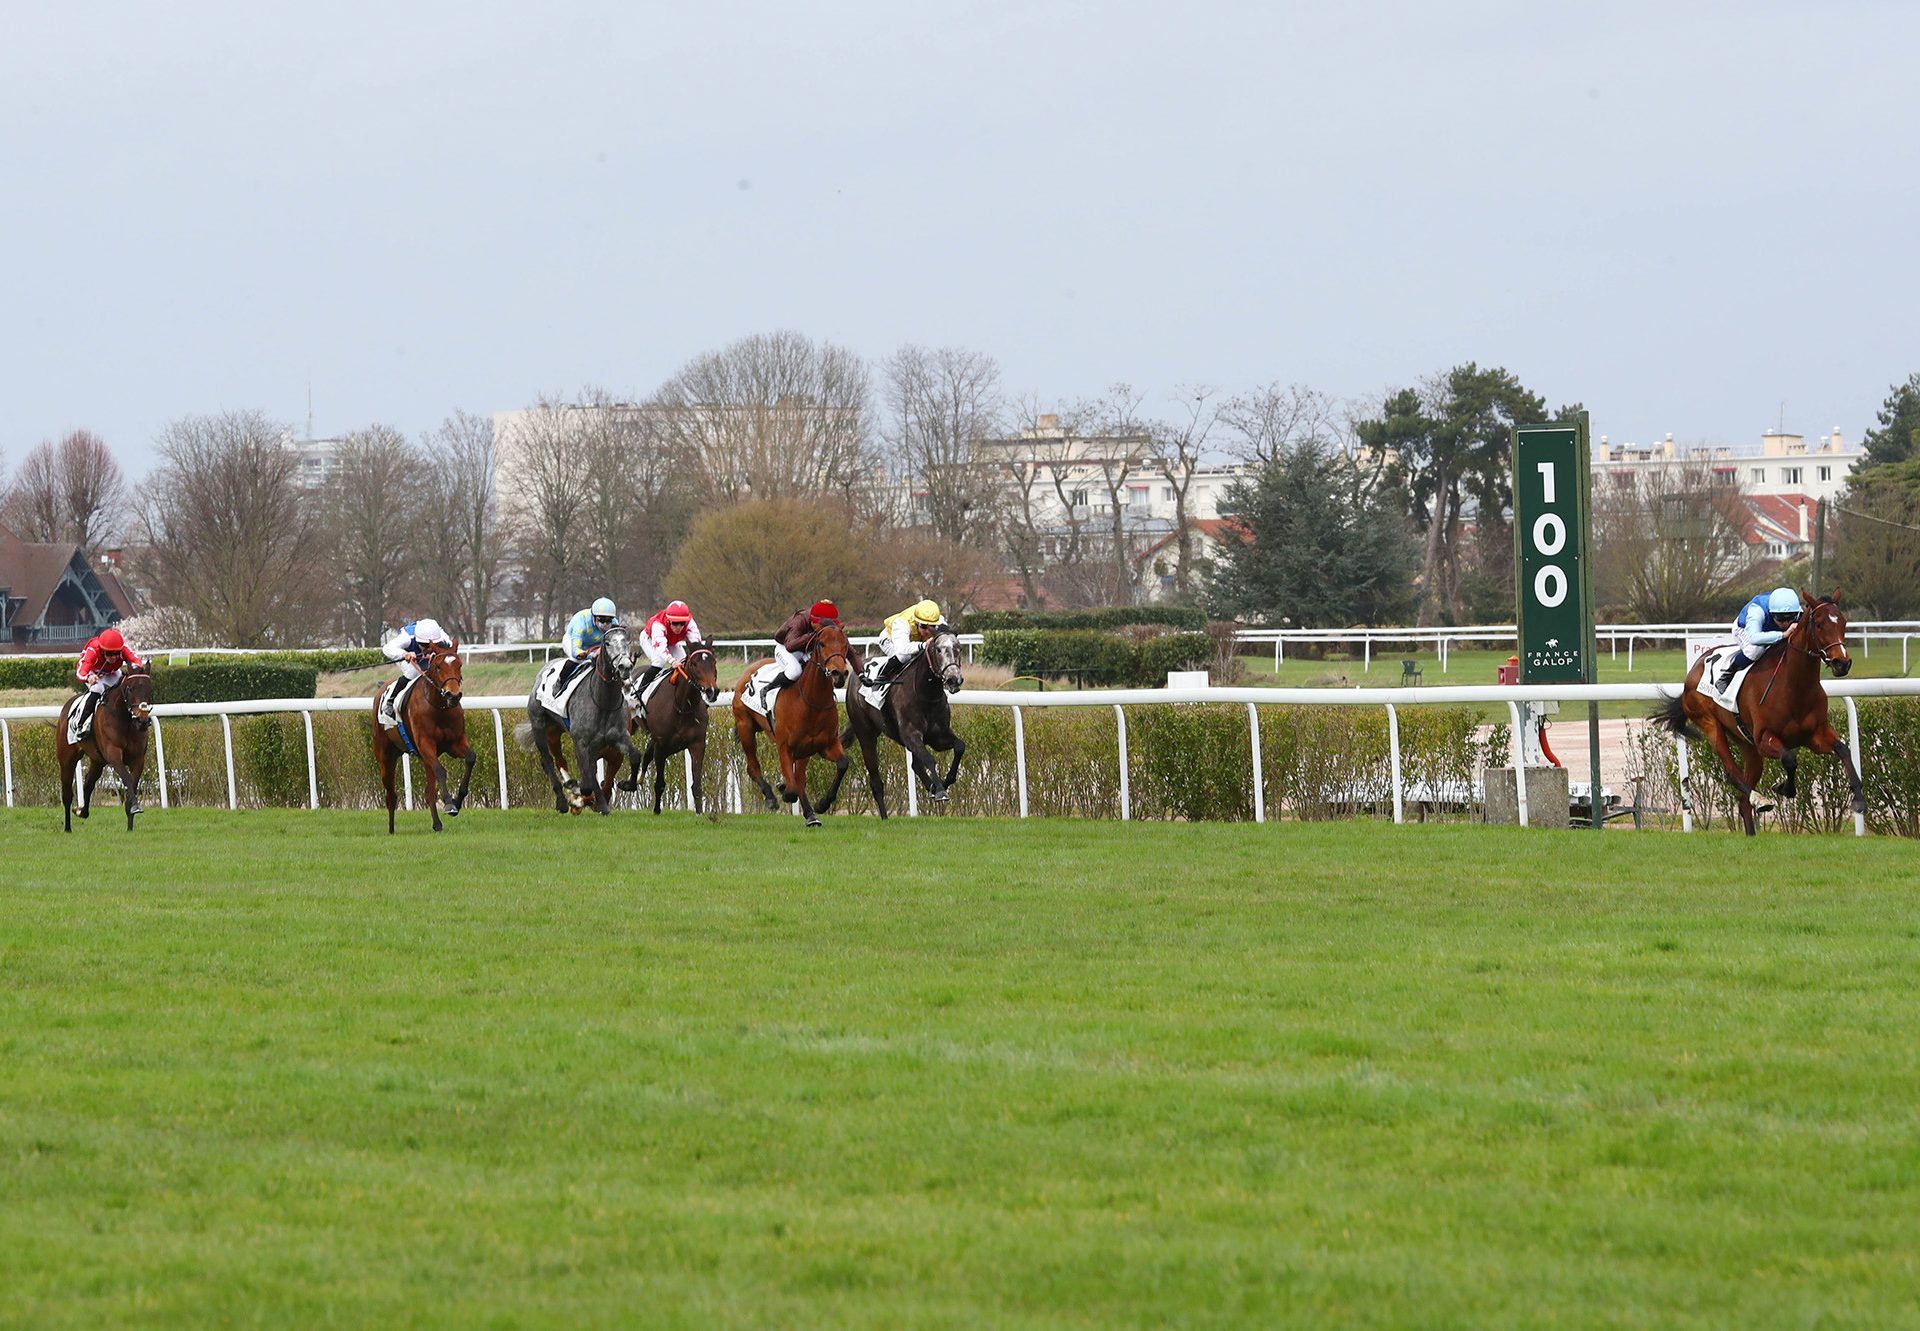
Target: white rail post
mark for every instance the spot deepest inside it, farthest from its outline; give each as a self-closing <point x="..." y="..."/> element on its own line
<point x="1629" y="654"/>
<point x="687" y="754"/>
<point x="1519" y="765"/>
<point x="313" y="779"/>
<point x="6" y="758"/>
<point x="1126" y="796"/>
<point x="1276" y="652"/>
<point x="500" y="755"/>
<point x="1858" y="760"/>
<point x="1393" y="758"/>
<point x="1020" y="758"/>
<point x="226" y="738"/>
<point x="1367" y="666"/>
<point x="913" y="791"/>
<point x="1259" y="776"/>
<point x="1686" y="800"/>
<point x="160" y="756"/>
<point x="1903" y="653"/>
<point x="406" y="779"/>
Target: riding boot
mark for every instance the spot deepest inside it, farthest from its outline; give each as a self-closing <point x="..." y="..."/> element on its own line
<point x="89" y="704"/>
<point x="1732" y="667"/>
<point x="387" y="718"/>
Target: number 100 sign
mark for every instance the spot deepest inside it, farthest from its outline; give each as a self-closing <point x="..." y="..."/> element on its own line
<point x="1553" y="562"/>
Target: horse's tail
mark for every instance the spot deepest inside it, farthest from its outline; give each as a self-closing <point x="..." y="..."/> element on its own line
<point x="523" y="735"/>
<point x="1671" y="716"/>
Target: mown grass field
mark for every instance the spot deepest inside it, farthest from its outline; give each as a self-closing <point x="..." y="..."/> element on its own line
<point x="279" y="1069"/>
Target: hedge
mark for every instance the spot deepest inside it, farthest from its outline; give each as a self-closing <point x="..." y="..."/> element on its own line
<point x="231" y="679"/>
<point x="1091" y="657"/>
<point x="1109" y="617"/>
<point x="37" y="672"/>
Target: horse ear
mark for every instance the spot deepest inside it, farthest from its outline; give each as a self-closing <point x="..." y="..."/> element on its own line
<point x="1836" y="596"/>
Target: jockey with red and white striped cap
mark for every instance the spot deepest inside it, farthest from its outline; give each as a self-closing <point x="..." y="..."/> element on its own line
<point x="664" y="639"/>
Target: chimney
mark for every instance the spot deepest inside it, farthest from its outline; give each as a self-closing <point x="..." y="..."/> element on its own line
<point x="1803" y="521"/>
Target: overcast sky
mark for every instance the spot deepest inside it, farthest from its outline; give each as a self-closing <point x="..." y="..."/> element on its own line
<point x="1682" y="214"/>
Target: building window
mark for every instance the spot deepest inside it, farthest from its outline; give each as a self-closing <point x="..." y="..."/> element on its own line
<point x="1166" y="493"/>
<point x="1791" y="475"/>
<point x="1826" y="473"/>
<point x="1723" y="475"/>
<point x="1078" y="498"/>
<point x="1759" y="475"/>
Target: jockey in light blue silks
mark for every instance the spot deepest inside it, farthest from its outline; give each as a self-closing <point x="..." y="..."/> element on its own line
<point x="1763" y="621"/>
<point x="585" y="632"/>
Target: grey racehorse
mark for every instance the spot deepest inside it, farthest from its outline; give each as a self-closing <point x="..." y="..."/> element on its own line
<point x="597" y="721"/>
<point x="915" y="715"/>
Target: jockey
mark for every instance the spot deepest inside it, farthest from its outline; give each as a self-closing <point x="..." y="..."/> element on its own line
<point x="665" y="637"/>
<point x="101" y="662"/>
<point x="1763" y="621"/>
<point x="904" y="636"/>
<point x="410" y="648"/>
<point x="793" y="640"/>
<point x="585" y="632"/>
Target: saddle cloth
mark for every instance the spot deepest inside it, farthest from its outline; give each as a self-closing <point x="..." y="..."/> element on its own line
<point x="872" y="688"/>
<point x="1715" y="658"/>
<point x="544" y="686"/>
<point x="761" y="677"/>
<point x="644" y="696"/>
<point x="76" y="731"/>
<point x="391" y="713"/>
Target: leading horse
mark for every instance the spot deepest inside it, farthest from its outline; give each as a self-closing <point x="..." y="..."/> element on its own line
<point x="805" y="720"/>
<point x="1782" y="708"/>
<point x="915" y="715"/>
<point x="118" y="739"/>
<point x="675" y="718"/>
<point x="437" y="725"/>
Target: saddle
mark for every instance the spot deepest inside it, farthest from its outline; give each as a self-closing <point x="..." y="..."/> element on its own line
<point x="393" y="705"/>
<point x="764" y="680"/>
<point x="549" y="693"/>
<point x="1714" y="658"/>
<point x="80" y="717"/>
<point x="644" y="696"/>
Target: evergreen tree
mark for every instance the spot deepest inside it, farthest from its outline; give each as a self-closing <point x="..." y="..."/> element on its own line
<point x="1318" y="546"/>
<point x="1897" y="437"/>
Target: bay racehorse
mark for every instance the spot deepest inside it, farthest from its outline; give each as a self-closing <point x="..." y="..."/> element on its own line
<point x="437" y="725"/>
<point x="117" y="739"/>
<point x="805" y="720"/>
<point x="1782" y="708"/>
<point x="915" y="715"/>
<point x="596" y="719"/>
<point x="674" y="719"/>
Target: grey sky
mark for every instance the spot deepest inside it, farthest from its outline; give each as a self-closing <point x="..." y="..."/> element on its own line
<point x="1681" y="214"/>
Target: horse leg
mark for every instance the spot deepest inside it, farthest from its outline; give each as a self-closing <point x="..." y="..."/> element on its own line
<point x="749" y="736"/>
<point x="131" y="772"/>
<point x="429" y="765"/>
<point x="389" y="757"/>
<point x="953" y="769"/>
<point x="870" y="755"/>
<point x="94" y="767"/>
<point x="587" y="759"/>
<point x="1723" y="742"/>
<point x="640" y="768"/>
<point x="697" y="750"/>
<point x="1789" y="761"/>
<point x="799" y="786"/>
<point x="69" y="764"/>
<point x="1827" y="740"/>
<point x="126" y="787"/>
<point x="793" y="772"/>
<point x="459" y="800"/>
<point x="839" y="774"/>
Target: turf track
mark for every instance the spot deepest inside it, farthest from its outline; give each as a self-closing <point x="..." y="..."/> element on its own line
<point x="279" y="1069"/>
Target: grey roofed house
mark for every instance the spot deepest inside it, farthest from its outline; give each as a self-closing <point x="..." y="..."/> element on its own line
<point x="52" y="596"/>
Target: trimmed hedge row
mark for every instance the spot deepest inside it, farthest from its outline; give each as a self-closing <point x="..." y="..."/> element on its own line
<point x="231" y="679"/>
<point x="37" y="672"/>
<point x="1094" y="657"/>
<point x="1108" y="617"/>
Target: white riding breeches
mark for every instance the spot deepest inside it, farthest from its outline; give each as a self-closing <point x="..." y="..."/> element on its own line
<point x="790" y="662"/>
<point x="105" y="682"/>
<point x="1753" y="651"/>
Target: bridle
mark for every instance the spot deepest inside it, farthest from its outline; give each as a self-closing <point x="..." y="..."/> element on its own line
<point x="1807" y="623"/>
<point x="436" y="661"/>
<point x="139" y="713"/>
<point x="680" y="672"/>
<point x="601" y="657"/>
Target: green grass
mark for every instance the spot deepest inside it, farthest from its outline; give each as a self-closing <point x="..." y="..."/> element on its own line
<point x="279" y="1069"/>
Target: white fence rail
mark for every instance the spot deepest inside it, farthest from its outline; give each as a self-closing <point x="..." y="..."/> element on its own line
<point x="1391" y="699"/>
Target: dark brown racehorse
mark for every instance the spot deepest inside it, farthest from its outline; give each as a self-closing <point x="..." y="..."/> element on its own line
<point x="915" y="715"/>
<point x="118" y="739"/>
<point x="675" y="719"/>
<point x="438" y="726"/>
<point x="806" y="720"/>
<point x="1782" y="708"/>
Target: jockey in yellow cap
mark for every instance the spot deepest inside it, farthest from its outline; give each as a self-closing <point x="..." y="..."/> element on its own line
<point x="904" y="636"/>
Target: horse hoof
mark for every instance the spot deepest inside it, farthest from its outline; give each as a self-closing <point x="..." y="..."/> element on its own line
<point x="937" y="796"/>
<point x="1759" y="809"/>
<point x="630" y="785"/>
<point x="813" y="822"/>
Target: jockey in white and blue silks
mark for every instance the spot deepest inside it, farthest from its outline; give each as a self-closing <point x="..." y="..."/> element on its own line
<point x="408" y="648"/>
<point x="585" y="632"/>
<point x="1763" y="621"/>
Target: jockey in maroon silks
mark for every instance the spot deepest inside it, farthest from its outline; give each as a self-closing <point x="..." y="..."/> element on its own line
<point x="793" y="640"/>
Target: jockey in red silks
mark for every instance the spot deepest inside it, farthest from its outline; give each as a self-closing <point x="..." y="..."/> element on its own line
<point x="101" y="662"/>
<point x="664" y="639"/>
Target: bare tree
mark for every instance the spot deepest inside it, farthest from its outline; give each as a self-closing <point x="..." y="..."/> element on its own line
<point x="229" y="535"/>
<point x="1668" y="546"/>
<point x="72" y="491"/>
<point x="1266" y="423"/>
<point x="772" y="416"/>
<point x="546" y="493"/>
<point x="1177" y="445"/>
<point x="1121" y="449"/>
<point x="33" y="508"/>
<point x="376" y="502"/>
<point x="460" y="516"/>
<point x="940" y="403"/>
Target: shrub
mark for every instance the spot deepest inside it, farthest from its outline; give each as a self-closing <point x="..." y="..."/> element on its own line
<point x="232" y="679"/>
<point x="1090" y="657"/>
<point x="37" y="672"/>
<point x="1110" y="617"/>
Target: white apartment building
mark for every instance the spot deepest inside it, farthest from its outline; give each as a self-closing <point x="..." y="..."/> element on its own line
<point x="319" y="460"/>
<point x="1783" y="464"/>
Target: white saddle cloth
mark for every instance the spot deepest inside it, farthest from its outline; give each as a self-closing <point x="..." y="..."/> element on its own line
<point x="543" y="687"/>
<point x="751" y="696"/>
<point x="1715" y="658"/>
<point x="391" y="713"/>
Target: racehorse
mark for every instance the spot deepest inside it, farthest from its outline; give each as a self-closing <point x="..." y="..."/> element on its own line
<point x="805" y="721"/>
<point x="1782" y="708"/>
<point x="597" y="720"/>
<point x="118" y="739"/>
<point x="437" y="725"/>
<point x="675" y="718"/>
<point x="915" y="715"/>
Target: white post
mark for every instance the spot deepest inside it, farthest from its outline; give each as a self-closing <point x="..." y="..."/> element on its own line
<point x="1686" y="801"/>
<point x="226" y="734"/>
<point x="1259" y="777"/>
<point x="6" y="757"/>
<point x="1519" y="765"/>
<point x="1443" y="654"/>
<point x="1020" y="758"/>
<point x="1629" y="654"/>
<point x="1276" y="652"/>
<point x="1613" y="647"/>
<point x="1859" y="767"/>
<point x="1903" y="653"/>
<point x="1126" y="796"/>
<point x="1393" y="757"/>
<point x="160" y="756"/>
<point x="913" y="789"/>
<point x="1368" y="663"/>
<point x="687" y="803"/>
<point x="406" y="777"/>
<point x="313" y="780"/>
<point x="500" y="755"/>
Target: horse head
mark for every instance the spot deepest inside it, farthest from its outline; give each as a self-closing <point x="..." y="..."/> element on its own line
<point x="701" y="667"/>
<point x="443" y="673"/>
<point x="943" y="654"/>
<point x="136" y="697"/>
<point x="616" y="650"/>
<point x="830" y="649"/>
<point x="1825" y="626"/>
